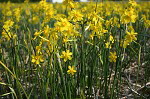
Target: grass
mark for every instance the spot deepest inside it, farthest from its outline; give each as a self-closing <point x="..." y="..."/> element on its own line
<point x="35" y="36"/>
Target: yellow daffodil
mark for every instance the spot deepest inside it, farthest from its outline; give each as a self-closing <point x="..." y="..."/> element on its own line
<point x="107" y="45"/>
<point x="71" y="70"/>
<point x="37" y="59"/>
<point x="112" y="57"/>
<point x="131" y="36"/>
<point x="66" y="55"/>
<point x="7" y="33"/>
<point x="75" y="15"/>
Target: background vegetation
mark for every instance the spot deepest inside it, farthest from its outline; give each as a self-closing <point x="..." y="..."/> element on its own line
<point x="75" y="0"/>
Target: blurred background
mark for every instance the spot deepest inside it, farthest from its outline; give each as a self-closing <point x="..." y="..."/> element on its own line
<point x="62" y="0"/>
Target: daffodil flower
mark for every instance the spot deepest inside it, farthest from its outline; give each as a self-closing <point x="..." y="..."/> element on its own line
<point x="37" y="59"/>
<point x="112" y="57"/>
<point x="71" y="70"/>
<point x="66" y="55"/>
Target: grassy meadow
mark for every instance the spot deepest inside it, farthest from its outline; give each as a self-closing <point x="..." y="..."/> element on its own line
<point x="75" y="50"/>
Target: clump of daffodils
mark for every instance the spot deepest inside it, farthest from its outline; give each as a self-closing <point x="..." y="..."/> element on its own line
<point x="129" y="16"/>
<point x="7" y="33"/>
